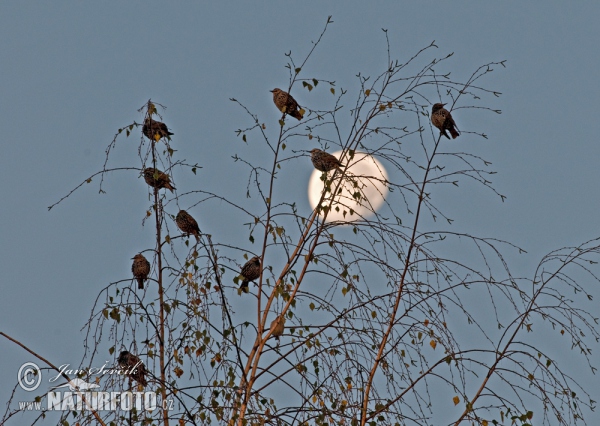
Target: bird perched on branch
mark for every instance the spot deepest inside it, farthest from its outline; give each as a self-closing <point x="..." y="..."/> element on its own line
<point x="277" y="327"/>
<point x="187" y="224"/>
<point x="324" y="161"/>
<point x="442" y="119"/>
<point x="157" y="179"/>
<point x="250" y="271"/>
<point x="155" y="130"/>
<point x="286" y="104"/>
<point x="140" y="269"/>
<point x="134" y="367"/>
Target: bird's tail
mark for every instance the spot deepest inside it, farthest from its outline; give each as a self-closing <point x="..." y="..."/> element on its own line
<point x="296" y="114"/>
<point x="140" y="283"/>
<point x="454" y="133"/>
<point x="244" y="287"/>
<point x="170" y="187"/>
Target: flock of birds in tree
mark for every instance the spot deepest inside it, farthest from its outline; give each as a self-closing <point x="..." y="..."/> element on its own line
<point x="322" y="161"/>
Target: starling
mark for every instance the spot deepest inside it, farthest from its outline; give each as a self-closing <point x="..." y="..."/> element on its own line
<point x="154" y="130"/>
<point x="133" y="367"/>
<point x="140" y="269"/>
<point x="157" y="179"/>
<point x="250" y="271"/>
<point x="324" y="161"/>
<point x="286" y="104"/>
<point x="187" y="224"/>
<point x="277" y="327"/>
<point x="442" y="119"/>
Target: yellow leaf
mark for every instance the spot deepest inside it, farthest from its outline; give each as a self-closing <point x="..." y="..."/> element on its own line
<point x="314" y="399"/>
<point x="484" y="423"/>
<point x="367" y="92"/>
<point x="456" y="400"/>
<point x="426" y="322"/>
<point x="433" y="344"/>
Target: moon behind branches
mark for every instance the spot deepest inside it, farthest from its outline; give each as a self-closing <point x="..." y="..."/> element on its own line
<point x="370" y="174"/>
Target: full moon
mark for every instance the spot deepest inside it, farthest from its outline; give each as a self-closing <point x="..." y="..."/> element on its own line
<point x="363" y="189"/>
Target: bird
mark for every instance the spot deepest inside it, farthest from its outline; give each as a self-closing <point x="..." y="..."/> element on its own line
<point x="250" y="271"/>
<point x="442" y="119"/>
<point x="277" y="327"/>
<point x="324" y="161"/>
<point x="157" y="179"/>
<point x="155" y="130"/>
<point x="187" y="224"/>
<point x="286" y="104"/>
<point x="135" y="368"/>
<point x="140" y="269"/>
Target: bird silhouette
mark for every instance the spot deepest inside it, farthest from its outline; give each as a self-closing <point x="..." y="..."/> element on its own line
<point x="134" y="366"/>
<point x="155" y="130"/>
<point x="157" y="179"/>
<point x="287" y="104"/>
<point x="250" y="271"/>
<point x="442" y="119"/>
<point x="324" y="161"/>
<point x="187" y="224"/>
<point x="277" y="327"/>
<point x="140" y="269"/>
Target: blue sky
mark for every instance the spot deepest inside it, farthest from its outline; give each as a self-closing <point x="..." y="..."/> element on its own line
<point x="74" y="72"/>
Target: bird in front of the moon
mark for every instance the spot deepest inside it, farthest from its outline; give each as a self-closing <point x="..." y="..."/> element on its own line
<point x="287" y="104"/>
<point x="157" y="179"/>
<point x="134" y="367"/>
<point x="140" y="269"/>
<point x="324" y="161"/>
<point x="250" y="272"/>
<point x="155" y="130"/>
<point x="368" y="173"/>
<point x="442" y="119"/>
<point x="187" y="224"/>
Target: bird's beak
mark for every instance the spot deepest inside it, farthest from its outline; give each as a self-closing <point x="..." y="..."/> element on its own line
<point x="272" y="90"/>
<point x="444" y="104"/>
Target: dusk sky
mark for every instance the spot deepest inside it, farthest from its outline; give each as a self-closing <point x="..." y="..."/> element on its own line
<point x="75" y="72"/>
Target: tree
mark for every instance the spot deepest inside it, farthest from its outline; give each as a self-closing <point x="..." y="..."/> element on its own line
<point x="382" y="316"/>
